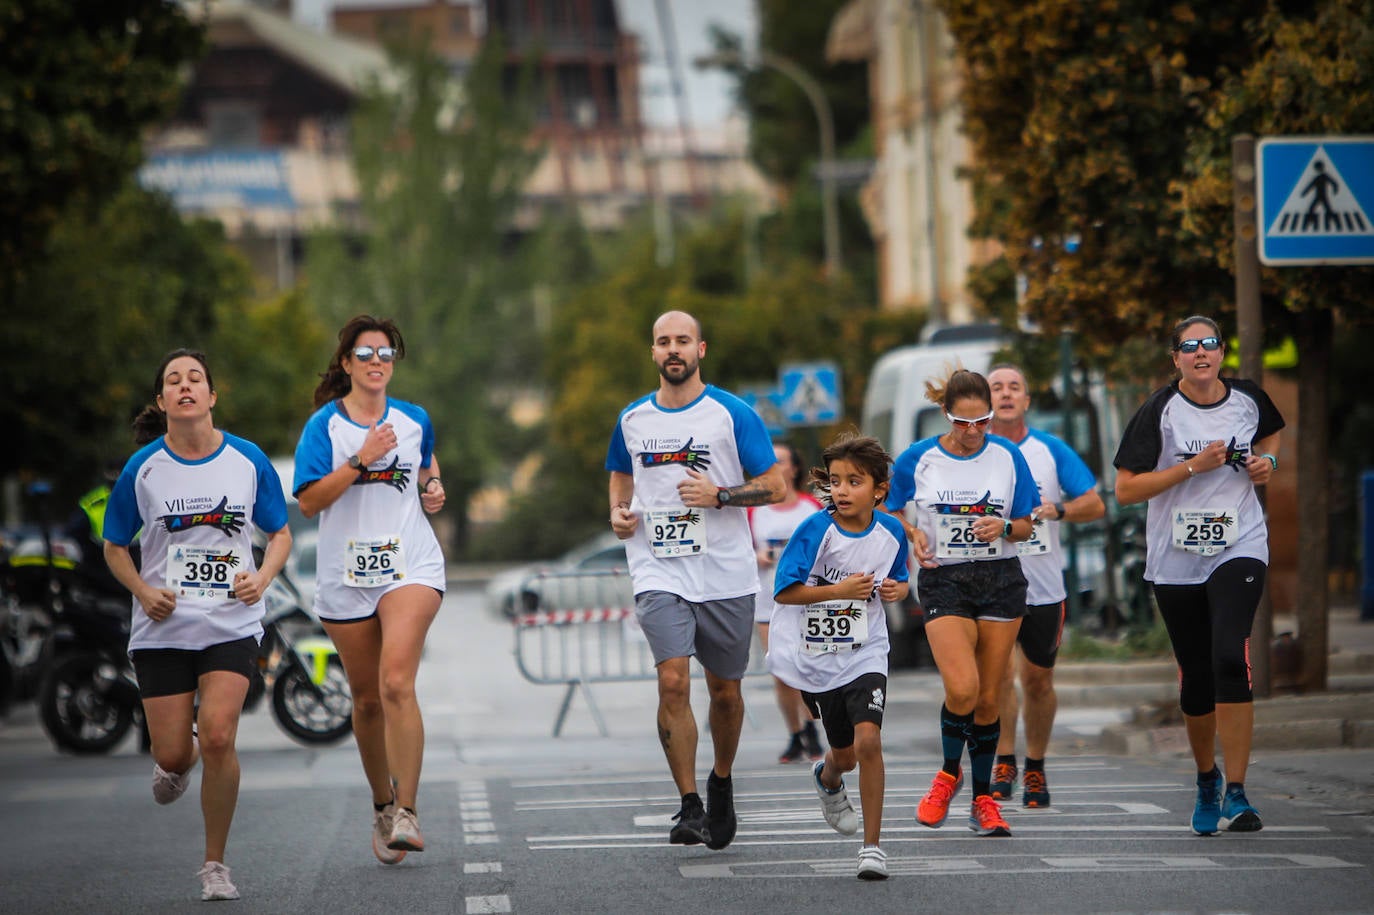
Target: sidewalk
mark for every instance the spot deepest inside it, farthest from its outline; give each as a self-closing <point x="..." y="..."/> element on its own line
<point x="1343" y="716"/>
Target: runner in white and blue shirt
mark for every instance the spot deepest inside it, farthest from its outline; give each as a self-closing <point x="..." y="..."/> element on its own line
<point x="374" y="538"/>
<point x="197" y="519"/>
<point x="685" y="463"/>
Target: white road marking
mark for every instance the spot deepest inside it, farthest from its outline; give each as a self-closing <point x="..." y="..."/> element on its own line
<point x="482" y="867"/>
<point x="483" y="904"/>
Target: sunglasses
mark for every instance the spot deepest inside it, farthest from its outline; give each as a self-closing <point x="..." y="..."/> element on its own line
<point x="1211" y="344"/>
<point x="980" y="422"/>
<point x="365" y="353"/>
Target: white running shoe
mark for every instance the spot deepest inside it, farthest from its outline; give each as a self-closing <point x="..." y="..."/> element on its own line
<point x="381" y="835"/>
<point x="168" y="786"/>
<point x="839" y="813"/>
<point x="214" y="882"/>
<point x="872" y="863"/>
<point x="405" y="832"/>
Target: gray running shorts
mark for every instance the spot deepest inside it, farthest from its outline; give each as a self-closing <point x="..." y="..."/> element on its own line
<point x="717" y="632"/>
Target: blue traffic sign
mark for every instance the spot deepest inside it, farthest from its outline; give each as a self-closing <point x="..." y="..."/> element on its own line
<point x="1316" y="195"/>
<point x="767" y="403"/>
<point x="810" y="393"/>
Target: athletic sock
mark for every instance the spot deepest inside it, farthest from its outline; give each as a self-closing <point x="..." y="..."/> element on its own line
<point x="1009" y="760"/>
<point x="982" y="750"/>
<point x="1034" y="765"/>
<point x="954" y="736"/>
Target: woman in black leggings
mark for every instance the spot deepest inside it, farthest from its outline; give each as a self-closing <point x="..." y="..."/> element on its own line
<point x="1195" y="451"/>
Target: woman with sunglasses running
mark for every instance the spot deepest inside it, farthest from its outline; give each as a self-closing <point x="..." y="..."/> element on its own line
<point x="1194" y="452"/>
<point x="365" y="464"/>
<point x="973" y="494"/>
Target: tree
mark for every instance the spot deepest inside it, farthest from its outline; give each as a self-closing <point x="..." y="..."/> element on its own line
<point x="79" y="83"/>
<point x="441" y="168"/>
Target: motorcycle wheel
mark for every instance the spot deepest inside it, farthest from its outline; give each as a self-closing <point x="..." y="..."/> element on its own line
<point x="309" y="717"/>
<point x="76" y="713"/>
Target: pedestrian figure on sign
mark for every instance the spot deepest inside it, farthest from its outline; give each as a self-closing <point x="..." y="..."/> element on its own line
<point x="1318" y="188"/>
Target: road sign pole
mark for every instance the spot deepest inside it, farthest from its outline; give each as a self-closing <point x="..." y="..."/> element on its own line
<point x="1250" y="329"/>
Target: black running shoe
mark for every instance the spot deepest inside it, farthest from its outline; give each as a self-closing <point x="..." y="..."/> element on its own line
<point x="720" y="811"/>
<point x="690" y="828"/>
<point x="795" y="752"/>
<point x="811" y="742"/>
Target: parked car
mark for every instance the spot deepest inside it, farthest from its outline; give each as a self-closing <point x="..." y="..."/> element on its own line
<point x="592" y="573"/>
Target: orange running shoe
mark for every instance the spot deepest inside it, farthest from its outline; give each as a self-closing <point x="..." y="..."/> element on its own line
<point x="985" y="817"/>
<point x="1003" y="780"/>
<point x="934" y="807"/>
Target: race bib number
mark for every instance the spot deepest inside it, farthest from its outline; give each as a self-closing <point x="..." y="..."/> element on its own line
<point x="1039" y="543"/>
<point x="833" y="626"/>
<point x="954" y="539"/>
<point x="1205" y="531"/>
<point x="374" y="562"/>
<point x="675" y="532"/>
<point x="202" y="571"/>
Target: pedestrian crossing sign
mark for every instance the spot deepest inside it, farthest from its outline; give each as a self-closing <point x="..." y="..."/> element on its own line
<point x="1316" y="195"/>
<point x="810" y="393"/>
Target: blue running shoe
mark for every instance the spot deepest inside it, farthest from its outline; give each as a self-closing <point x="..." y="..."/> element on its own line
<point x="1207" y="810"/>
<point x="1236" y="813"/>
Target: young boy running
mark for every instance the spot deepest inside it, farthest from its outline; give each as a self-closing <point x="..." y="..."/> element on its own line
<point x="829" y="630"/>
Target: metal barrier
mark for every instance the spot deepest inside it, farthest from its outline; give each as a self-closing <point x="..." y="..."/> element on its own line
<point x="580" y="628"/>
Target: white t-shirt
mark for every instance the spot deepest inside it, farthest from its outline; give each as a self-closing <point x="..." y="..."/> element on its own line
<point x="772" y="527"/>
<point x="820" y="553"/>
<point x="197" y="519"/>
<point x="951" y="492"/>
<point x="698" y="554"/>
<point x="1060" y="475"/>
<point x="375" y="537"/>
<point x="1185" y="522"/>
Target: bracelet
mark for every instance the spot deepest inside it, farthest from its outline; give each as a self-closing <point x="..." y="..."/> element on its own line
<point x="1273" y="462"/>
<point x="1188" y="468"/>
<point x="433" y="480"/>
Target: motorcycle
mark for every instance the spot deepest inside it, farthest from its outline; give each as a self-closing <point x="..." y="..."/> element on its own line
<point x="89" y="698"/>
<point x="297" y="662"/>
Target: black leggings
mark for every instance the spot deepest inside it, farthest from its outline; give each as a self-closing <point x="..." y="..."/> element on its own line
<point x="1209" y="626"/>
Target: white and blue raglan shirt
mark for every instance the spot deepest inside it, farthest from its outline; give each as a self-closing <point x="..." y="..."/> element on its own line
<point x="951" y="492"/>
<point x="1061" y="476"/>
<point x="698" y="554"/>
<point x="1212" y="517"/>
<point x="374" y="538"/>
<point x="823" y="553"/>
<point x="197" y="519"/>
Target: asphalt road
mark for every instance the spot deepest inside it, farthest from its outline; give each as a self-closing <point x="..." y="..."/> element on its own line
<point x="518" y="821"/>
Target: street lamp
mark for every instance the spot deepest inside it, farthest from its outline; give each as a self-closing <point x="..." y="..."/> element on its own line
<point x="729" y="59"/>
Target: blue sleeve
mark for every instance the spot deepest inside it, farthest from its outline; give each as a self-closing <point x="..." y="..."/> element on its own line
<point x="269" y="510"/>
<point x="421" y="418"/>
<point x="899" y="570"/>
<point x="617" y="455"/>
<point x="903" y="486"/>
<point x="1026" y="496"/>
<point x="314" y="452"/>
<point x="752" y="441"/>
<point x="794" y="565"/>
<point x="1074" y="476"/>
<point x="122" y="518"/>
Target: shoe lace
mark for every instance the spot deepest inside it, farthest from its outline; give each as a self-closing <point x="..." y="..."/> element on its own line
<point x="689" y="810"/>
<point x="987" y="810"/>
<point x="1005" y="772"/>
<point x="1034" y="781"/>
<point x="942" y="790"/>
<point x="214" y="875"/>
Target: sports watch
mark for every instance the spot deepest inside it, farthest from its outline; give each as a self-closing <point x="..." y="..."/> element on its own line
<point x="355" y="462"/>
<point x="722" y="497"/>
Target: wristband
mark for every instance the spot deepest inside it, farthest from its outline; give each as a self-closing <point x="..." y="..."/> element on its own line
<point x="432" y="480"/>
<point x="1273" y="461"/>
<point x="1059" y="510"/>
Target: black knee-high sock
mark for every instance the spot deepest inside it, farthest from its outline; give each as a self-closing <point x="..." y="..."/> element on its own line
<point x="982" y="750"/>
<point x="954" y="736"/>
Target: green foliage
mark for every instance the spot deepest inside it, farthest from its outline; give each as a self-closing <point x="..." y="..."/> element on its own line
<point x="1133" y="644"/>
<point x="114" y="294"/>
<point x="79" y="83"/>
<point x="441" y="168"/>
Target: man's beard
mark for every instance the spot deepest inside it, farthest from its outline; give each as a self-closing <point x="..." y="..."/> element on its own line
<point x="689" y="370"/>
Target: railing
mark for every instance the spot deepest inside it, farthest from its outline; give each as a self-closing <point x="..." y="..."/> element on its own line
<point x="580" y="628"/>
